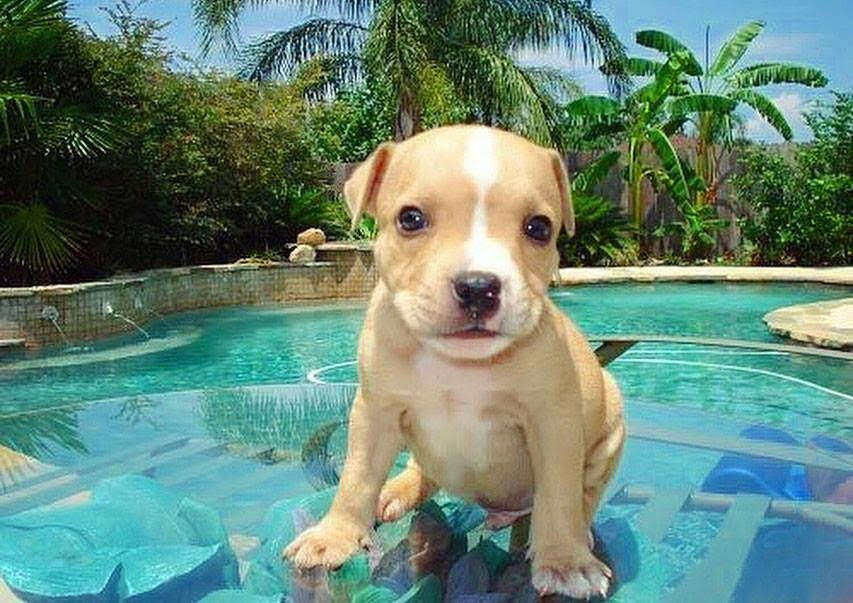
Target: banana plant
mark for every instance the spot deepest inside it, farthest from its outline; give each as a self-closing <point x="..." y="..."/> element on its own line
<point x="602" y="236"/>
<point x="723" y="77"/>
<point x="647" y="118"/>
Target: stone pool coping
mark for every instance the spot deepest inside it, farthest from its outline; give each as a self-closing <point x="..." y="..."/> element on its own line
<point x="842" y="275"/>
<point x="828" y="324"/>
<point x="344" y="270"/>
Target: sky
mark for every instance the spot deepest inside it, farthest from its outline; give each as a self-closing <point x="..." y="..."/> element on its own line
<point x="816" y="33"/>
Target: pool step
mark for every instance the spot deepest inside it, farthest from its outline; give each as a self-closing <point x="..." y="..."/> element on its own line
<point x="74" y="483"/>
<point x="659" y="513"/>
<point x="802" y="455"/>
<point x="715" y="577"/>
<point x="98" y="463"/>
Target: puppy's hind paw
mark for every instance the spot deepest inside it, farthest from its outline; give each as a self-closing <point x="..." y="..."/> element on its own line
<point x="402" y="494"/>
<point x="582" y="581"/>
<point x="390" y="509"/>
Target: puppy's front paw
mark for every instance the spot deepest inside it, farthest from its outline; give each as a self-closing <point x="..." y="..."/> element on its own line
<point x="328" y="544"/>
<point x="581" y="577"/>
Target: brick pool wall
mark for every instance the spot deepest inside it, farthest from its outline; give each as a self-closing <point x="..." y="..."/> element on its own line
<point x="341" y="272"/>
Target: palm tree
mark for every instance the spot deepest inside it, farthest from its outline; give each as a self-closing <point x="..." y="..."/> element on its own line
<point x="723" y="77"/>
<point x="646" y="119"/>
<point x="41" y="139"/>
<point x="470" y="46"/>
<point x="19" y="18"/>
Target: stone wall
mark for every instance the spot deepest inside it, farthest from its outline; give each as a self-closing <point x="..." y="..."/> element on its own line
<point x="341" y="272"/>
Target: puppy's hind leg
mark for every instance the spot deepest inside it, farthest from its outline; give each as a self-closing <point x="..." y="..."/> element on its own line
<point x="602" y="459"/>
<point x="404" y="492"/>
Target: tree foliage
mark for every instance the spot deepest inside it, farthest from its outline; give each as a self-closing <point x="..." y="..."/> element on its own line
<point x="405" y="46"/>
<point x="721" y="78"/>
<point x="136" y="165"/>
<point x="803" y="212"/>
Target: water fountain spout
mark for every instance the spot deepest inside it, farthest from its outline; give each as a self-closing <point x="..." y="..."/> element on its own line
<point x="109" y="311"/>
<point x="52" y="314"/>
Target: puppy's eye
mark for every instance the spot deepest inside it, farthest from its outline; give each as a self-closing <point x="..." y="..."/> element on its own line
<point x="538" y="228"/>
<point x="411" y="219"/>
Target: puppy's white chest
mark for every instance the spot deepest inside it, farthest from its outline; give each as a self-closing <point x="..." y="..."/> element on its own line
<point x="453" y="415"/>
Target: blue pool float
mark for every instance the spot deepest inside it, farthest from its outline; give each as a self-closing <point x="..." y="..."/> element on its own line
<point x="736" y="473"/>
<point x="130" y="540"/>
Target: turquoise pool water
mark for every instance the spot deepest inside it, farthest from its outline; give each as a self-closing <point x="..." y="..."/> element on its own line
<point x="257" y="345"/>
<point x="216" y="409"/>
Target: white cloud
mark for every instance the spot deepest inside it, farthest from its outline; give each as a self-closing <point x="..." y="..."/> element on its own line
<point x="775" y="47"/>
<point x="791" y="105"/>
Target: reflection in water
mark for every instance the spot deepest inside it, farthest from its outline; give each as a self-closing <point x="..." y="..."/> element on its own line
<point x="28" y="436"/>
<point x="136" y="409"/>
<point x="272" y="425"/>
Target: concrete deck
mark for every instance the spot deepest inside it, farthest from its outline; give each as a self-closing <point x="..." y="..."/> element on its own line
<point x="581" y="276"/>
<point x="826" y="324"/>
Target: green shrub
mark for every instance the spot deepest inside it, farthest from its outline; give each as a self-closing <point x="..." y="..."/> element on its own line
<point x="603" y="236"/>
<point x="803" y="211"/>
<point x="202" y="167"/>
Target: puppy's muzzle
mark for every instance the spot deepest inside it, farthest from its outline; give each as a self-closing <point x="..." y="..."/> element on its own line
<point x="478" y="293"/>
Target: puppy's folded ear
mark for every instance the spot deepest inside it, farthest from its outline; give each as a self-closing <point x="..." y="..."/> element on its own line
<point x="362" y="186"/>
<point x="565" y="187"/>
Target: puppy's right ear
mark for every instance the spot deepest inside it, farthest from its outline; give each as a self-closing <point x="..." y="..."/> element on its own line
<point x="362" y="187"/>
<point x="565" y="187"/>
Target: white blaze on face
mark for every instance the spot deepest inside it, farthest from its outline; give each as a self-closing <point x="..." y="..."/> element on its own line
<point x="483" y="253"/>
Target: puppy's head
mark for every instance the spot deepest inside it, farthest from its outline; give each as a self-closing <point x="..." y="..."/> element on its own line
<point x="468" y="218"/>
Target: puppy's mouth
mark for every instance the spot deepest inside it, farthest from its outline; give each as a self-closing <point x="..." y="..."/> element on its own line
<point x="476" y="331"/>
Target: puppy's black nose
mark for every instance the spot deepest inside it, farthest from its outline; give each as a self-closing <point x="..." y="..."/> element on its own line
<point x="478" y="293"/>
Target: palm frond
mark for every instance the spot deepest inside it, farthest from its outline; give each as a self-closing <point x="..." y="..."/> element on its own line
<point x="763" y="74"/>
<point x="277" y="425"/>
<point x="349" y="9"/>
<point x="554" y="83"/>
<point x="323" y="77"/>
<point x="35" y="434"/>
<point x="397" y="49"/>
<point x="677" y="182"/>
<point x="218" y="22"/>
<point x="514" y="25"/>
<point x="21" y="16"/>
<point x="633" y="66"/>
<point x="16" y="106"/>
<point x="668" y="45"/>
<point x="765" y="107"/>
<point x="586" y="179"/>
<point x="735" y="47"/>
<point x="32" y="237"/>
<point x="72" y="132"/>
<point x="492" y="79"/>
<point x="280" y="53"/>
<point x="582" y="28"/>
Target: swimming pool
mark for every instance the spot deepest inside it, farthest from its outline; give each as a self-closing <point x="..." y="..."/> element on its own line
<point x="201" y="411"/>
<point x="258" y="345"/>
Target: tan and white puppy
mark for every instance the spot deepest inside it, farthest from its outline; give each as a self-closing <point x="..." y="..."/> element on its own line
<point x="465" y="360"/>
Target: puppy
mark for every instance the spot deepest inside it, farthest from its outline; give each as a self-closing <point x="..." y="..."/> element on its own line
<point x="465" y="360"/>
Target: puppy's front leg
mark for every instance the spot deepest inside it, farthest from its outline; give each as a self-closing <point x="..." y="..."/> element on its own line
<point x="562" y="560"/>
<point x="374" y="441"/>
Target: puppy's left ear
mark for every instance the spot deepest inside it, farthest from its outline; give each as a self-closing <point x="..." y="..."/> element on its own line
<point x="565" y="187"/>
<point x="362" y="186"/>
